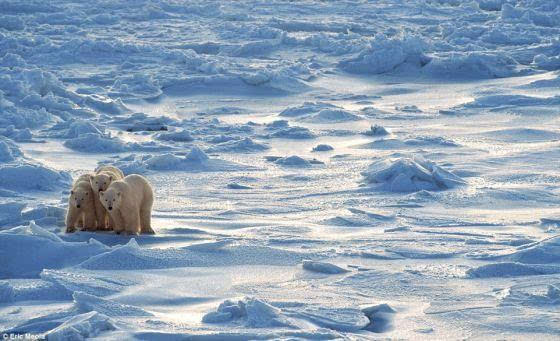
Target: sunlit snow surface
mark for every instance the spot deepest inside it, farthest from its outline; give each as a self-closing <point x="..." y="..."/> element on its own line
<point x="322" y="170"/>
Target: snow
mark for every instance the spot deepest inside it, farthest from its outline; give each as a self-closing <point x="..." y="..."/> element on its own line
<point x="321" y="169"/>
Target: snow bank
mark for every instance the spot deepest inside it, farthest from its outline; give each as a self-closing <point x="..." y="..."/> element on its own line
<point x="133" y="257"/>
<point x="386" y="54"/>
<point x="546" y="251"/>
<point x="410" y="175"/>
<point x="507" y="269"/>
<point x="247" y="145"/>
<point x="177" y="136"/>
<point x="195" y="161"/>
<point x="81" y="327"/>
<point x="96" y="143"/>
<point x="471" y="65"/>
<point x="86" y="302"/>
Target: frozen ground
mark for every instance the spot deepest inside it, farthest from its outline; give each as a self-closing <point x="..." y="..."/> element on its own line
<point x="322" y="169"/>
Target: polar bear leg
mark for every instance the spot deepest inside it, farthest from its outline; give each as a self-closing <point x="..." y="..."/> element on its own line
<point x="71" y="219"/>
<point x="100" y="213"/>
<point x="118" y="222"/>
<point x="109" y="222"/>
<point x="146" y="216"/>
<point x="89" y="221"/>
<point x="132" y="223"/>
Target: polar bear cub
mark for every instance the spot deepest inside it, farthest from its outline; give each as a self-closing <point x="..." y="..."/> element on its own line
<point x="129" y="203"/>
<point x="81" y="206"/>
<point x="100" y="181"/>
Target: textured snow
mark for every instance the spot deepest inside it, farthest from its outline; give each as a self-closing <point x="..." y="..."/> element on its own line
<point x="321" y="169"/>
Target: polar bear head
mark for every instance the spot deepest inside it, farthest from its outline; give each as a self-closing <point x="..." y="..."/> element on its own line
<point x="79" y="196"/>
<point x="111" y="198"/>
<point x="100" y="182"/>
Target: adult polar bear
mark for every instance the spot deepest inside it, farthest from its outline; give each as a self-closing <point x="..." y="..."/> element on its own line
<point x="100" y="181"/>
<point x="129" y="203"/>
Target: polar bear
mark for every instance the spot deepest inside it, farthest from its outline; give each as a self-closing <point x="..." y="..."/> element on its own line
<point x="129" y="203"/>
<point x="81" y="206"/>
<point x="100" y="181"/>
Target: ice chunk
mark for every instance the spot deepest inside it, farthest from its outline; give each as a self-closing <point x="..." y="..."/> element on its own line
<point x="385" y="54"/>
<point x="246" y="145"/>
<point x="410" y="175"/>
<point x="178" y="136"/>
<point x="322" y="148"/>
<point x="254" y="312"/>
<point x="81" y="327"/>
<point x="86" y="302"/>
<point x="322" y="267"/>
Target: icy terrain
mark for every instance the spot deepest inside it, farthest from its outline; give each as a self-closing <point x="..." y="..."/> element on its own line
<point x="322" y="169"/>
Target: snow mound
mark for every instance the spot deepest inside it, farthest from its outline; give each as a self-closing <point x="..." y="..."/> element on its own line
<point x="96" y="143"/>
<point x="80" y="128"/>
<point x="246" y="145"/>
<point x="293" y="161"/>
<point x="137" y="85"/>
<point x="410" y="175"/>
<point x="295" y="133"/>
<point x="27" y="251"/>
<point x="81" y="327"/>
<point x="322" y="267"/>
<point x="142" y="122"/>
<point x="380" y="317"/>
<point x="322" y="148"/>
<point x="253" y="312"/>
<point x="386" y="54"/>
<point x="332" y="116"/>
<point x="376" y="130"/>
<point x="27" y="176"/>
<point x="177" y="136"/>
<point x="307" y="108"/>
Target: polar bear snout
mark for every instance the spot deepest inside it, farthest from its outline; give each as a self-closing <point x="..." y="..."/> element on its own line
<point x="110" y="208"/>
